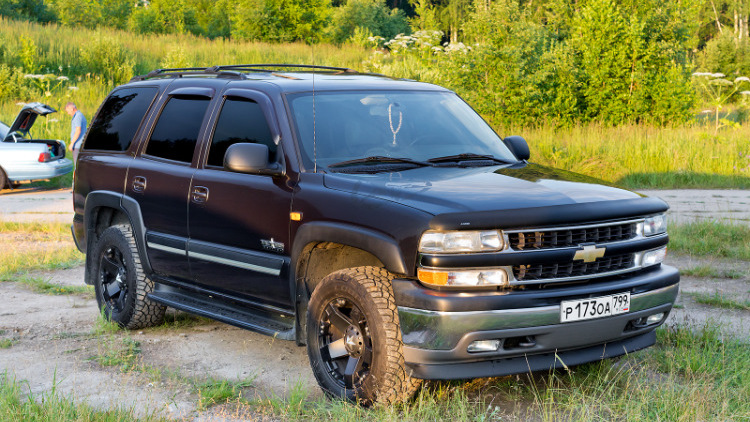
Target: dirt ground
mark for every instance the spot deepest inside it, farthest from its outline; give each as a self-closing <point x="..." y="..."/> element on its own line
<point x="54" y="346"/>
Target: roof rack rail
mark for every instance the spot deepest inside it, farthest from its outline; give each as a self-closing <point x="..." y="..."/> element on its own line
<point x="179" y="72"/>
<point x="266" y="67"/>
<point x="232" y="71"/>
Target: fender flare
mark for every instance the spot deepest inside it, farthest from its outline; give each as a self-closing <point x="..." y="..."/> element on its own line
<point x="127" y="206"/>
<point x="383" y="247"/>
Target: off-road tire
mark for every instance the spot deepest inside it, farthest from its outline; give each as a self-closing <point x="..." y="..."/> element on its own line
<point x="369" y="289"/>
<point x="133" y="310"/>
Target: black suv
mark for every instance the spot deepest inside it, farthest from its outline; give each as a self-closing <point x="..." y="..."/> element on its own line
<point x="379" y="221"/>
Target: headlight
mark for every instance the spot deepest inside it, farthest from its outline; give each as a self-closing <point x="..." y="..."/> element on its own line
<point x="461" y="241"/>
<point x="655" y="225"/>
<point x="463" y="278"/>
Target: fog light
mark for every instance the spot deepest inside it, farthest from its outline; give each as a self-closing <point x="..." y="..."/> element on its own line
<point x="654" y="319"/>
<point x="483" y="346"/>
<point x="654" y="257"/>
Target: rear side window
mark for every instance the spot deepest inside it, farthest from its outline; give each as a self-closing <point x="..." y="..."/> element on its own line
<point x="119" y="119"/>
<point x="241" y="120"/>
<point x="176" y="132"/>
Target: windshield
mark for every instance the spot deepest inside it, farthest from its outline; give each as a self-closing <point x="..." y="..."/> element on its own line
<point x="402" y="124"/>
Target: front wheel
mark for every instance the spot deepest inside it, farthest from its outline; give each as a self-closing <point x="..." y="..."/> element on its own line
<point x="354" y="338"/>
<point x="120" y="283"/>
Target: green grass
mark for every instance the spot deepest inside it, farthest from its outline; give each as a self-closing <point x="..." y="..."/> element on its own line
<point x="709" y="238"/>
<point x="17" y="404"/>
<point x="712" y="271"/>
<point x="721" y="301"/>
<point x="7" y="343"/>
<point x="212" y="392"/>
<point x="42" y="285"/>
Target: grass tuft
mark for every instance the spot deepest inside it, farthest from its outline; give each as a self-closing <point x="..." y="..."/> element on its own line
<point x="42" y="285"/>
<point x="212" y="392"/>
<point x="712" y="272"/>
<point x="720" y="301"/>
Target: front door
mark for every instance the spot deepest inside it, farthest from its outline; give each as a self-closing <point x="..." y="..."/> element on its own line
<point x="239" y="223"/>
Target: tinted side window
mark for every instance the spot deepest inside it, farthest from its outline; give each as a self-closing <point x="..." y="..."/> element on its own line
<point x="176" y="132"/>
<point x="241" y="120"/>
<point x="119" y="118"/>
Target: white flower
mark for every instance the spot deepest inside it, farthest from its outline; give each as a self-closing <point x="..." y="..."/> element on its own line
<point x="700" y="74"/>
<point x="741" y="79"/>
<point x="59" y="68"/>
<point x="33" y="76"/>
<point x="73" y="88"/>
<point x="62" y="78"/>
<point x="720" y="82"/>
<point x="745" y="93"/>
<point x="718" y="75"/>
<point x="21" y="104"/>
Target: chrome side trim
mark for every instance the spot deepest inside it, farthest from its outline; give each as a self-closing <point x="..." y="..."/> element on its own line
<point x="238" y="264"/>
<point x="163" y="248"/>
<point x="442" y="330"/>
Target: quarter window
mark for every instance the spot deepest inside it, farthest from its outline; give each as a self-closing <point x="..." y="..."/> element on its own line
<point x="241" y="120"/>
<point x="119" y="118"/>
<point x="176" y="132"/>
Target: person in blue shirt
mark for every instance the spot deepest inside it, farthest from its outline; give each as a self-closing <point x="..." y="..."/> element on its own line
<point x="77" y="129"/>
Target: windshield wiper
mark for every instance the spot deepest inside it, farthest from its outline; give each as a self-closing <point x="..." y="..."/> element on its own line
<point x="380" y="159"/>
<point x="466" y="157"/>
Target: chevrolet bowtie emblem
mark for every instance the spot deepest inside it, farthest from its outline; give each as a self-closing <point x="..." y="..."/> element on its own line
<point x="589" y="253"/>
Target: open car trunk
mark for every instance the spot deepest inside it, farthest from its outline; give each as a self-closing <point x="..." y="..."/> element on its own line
<point x="19" y="131"/>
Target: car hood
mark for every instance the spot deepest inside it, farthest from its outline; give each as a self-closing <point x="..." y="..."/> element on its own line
<point x="27" y="116"/>
<point x="439" y="190"/>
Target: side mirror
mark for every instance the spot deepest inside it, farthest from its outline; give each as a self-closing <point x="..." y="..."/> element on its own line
<point x="518" y="147"/>
<point x="251" y="159"/>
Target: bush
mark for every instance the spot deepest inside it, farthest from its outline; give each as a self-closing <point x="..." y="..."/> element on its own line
<point x="107" y="58"/>
<point x="371" y="16"/>
<point x="12" y="83"/>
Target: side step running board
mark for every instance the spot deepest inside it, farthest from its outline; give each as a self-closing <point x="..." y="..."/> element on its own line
<point x="278" y="326"/>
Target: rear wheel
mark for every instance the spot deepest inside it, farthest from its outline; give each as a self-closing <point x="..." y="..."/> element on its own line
<point x="120" y="283"/>
<point x="354" y="338"/>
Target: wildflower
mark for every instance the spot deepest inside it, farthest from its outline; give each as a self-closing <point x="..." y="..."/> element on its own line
<point x="718" y="75"/>
<point x="701" y="74"/>
<point x="62" y="78"/>
<point x="73" y="88"/>
<point x="33" y="76"/>
<point x="60" y="68"/>
<point x="21" y="104"/>
<point x="744" y="92"/>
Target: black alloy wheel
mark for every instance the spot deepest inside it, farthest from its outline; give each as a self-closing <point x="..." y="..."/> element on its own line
<point x="120" y="284"/>
<point x="346" y="346"/>
<point x="113" y="278"/>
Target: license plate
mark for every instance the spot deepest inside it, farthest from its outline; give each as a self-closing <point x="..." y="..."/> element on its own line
<point x="596" y="307"/>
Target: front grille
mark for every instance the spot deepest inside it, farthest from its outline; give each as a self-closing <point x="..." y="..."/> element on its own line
<point x="571" y="237"/>
<point x="540" y="272"/>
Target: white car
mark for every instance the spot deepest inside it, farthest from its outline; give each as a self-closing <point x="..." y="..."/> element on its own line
<point x="24" y="158"/>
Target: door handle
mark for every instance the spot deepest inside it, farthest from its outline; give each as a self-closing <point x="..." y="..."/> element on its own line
<point x="199" y="194"/>
<point x="139" y="184"/>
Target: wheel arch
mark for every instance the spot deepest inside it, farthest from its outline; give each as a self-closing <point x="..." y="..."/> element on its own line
<point x="335" y="246"/>
<point x="105" y="208"/>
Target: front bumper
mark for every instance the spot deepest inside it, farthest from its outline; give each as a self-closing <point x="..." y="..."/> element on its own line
<point x="528" y="325"/>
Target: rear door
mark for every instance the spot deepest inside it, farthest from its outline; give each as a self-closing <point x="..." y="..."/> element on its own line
<point x="239" y="223"/>
<point x="159" y="178"/>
